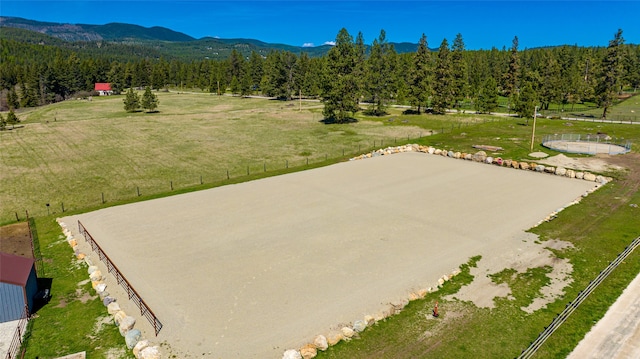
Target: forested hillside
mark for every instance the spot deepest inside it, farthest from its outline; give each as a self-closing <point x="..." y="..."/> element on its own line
<point x="38" y="69"/>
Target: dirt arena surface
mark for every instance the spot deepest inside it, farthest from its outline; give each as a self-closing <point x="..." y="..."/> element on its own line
<point x="252" y="269"/>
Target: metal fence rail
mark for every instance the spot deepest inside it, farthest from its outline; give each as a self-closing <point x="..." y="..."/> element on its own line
<point x="589" y="144"/>
<point x="571" y="307"/>
<point x="16" y="341"/>
<point x="131" y="292"/>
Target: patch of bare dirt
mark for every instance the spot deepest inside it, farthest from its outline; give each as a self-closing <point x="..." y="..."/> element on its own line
<point x="598" y="163"/>
<point x="533" y="254"/>
<point x="15" y="239"/>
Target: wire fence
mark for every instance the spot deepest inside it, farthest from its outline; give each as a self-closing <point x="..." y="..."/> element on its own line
<point x="572" y="306"/>
<point x="586" y="144"/>
<point x="131" y="292"/>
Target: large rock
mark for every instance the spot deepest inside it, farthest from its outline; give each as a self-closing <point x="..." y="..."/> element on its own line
<point x="589" y="177"/>
<point x="291" y="354"/>
<point x="132" y="337"/>
<point x="480" y="156"/>
<point x="370" y="320"/>
<point x="117" y="318"/>
<point x="96" y="275"/>
<point x="515" y="164"/>
<point x="550" y="170"/>
<point x="579" y="175"/>
<point x="571" y="174"/>
<point x="488" y="160"/>
<point x="126" y="324"/>
<point x="347" y="332"/>
<point x="359" y="326"/>
<point x="308" y="351"/>
<point x="321" y="342"/>
<point x="561" y="171"/>
<point x="113" y="308"/>
<point x="139" y="346"/>
<point x="524" y="166"/>
<point x="334" y="338"/>
<point x="540" y="168"/>
<point x="150" y="353"/>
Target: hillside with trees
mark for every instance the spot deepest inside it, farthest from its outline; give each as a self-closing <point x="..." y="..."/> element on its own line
<point x="38" y="69"/>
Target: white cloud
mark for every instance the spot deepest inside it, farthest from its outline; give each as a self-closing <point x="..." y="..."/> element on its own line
<point x="332" y="43"/>
<point x="308" y="44"/>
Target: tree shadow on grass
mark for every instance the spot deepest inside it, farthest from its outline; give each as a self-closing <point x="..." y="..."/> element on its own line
<point x="333" y="121"/>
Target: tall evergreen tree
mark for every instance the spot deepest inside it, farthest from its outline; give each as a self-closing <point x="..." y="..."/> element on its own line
<point x="526" y="102"/>
<point x="443" y="82"/>
<point x="149" y="100"/>
<point x="512" y="76"/>
<point x="610" y="79"/>
<point x="487" y="99"/>
<point x="420" y="85"/>
<point x="551" y="86"/>
<point x="460" y="73"/>
<point x="379" y="74"/>
<point x="131" y="101"/>
<point x="340" y="92"/>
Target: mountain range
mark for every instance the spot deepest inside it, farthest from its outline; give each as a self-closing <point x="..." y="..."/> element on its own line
<point x="163" y="41"/>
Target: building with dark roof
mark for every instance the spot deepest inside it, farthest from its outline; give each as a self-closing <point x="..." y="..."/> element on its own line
<point x="18" y="286"/>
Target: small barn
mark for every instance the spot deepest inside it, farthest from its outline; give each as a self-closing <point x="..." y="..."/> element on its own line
<point x="18" y="286"/>
<point x="103" y="89"/>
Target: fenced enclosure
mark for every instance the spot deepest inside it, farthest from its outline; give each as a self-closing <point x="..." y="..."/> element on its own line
<point x="131" y="292"/>
<point x="586" y="144"/>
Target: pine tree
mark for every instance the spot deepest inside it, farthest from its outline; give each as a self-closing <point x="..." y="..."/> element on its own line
<point x="443" y="86"/>
<point x="526" y="101"/>
<point x="460" y="73"/>
<point x="487" y="99"/>
<point x="235" y="86"/>
<point x="341" y="92"/>
<point x="12" y="119"/>
<point x="420" y="85"/>
<point x="512" y="76"/>
<point x="379" y="74"/>
<point x="149" y="100"/>
<point x="3" y="123"/>
<point x="610" y="78"/>
<point x="131" y="101"/>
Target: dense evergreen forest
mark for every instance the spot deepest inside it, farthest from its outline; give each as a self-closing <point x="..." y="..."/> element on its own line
<point x="35" y="73"/>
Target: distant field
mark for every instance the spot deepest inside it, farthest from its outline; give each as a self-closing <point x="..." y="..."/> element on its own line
<point x="73" y="152"/>
<point x="77" y="153"/>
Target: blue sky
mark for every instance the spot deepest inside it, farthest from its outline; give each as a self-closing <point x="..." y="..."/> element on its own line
<point x="483" y="24"/>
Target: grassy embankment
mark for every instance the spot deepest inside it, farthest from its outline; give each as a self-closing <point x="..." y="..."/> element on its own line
<point x="94" y="147"/>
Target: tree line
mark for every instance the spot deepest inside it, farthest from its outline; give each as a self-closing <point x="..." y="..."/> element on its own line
<point x="349" y="75"/>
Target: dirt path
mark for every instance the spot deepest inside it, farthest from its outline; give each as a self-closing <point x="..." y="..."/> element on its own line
<point x="253" y="269"/>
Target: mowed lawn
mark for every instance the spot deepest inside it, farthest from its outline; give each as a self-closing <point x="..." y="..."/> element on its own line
<point x="73" y="153"/>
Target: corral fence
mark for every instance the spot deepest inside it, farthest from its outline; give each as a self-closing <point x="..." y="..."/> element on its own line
<point x="14" y="351"/>
<point x="572" y="306"/>
<point x="131" y="292"/>
<point x="586" y="144"/>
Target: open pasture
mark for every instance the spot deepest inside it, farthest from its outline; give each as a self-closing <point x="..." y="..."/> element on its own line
<point x="79" y="152"/>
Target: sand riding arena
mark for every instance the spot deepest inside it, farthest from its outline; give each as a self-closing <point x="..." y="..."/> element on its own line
<point x="252" y="270"/>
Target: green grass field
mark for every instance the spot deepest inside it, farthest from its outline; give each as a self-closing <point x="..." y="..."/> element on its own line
<point x="75" y="151"/>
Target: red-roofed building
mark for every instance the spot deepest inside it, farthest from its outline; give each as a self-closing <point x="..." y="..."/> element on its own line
<point x="103" y="88"/>
<point x="18" y="286"/>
